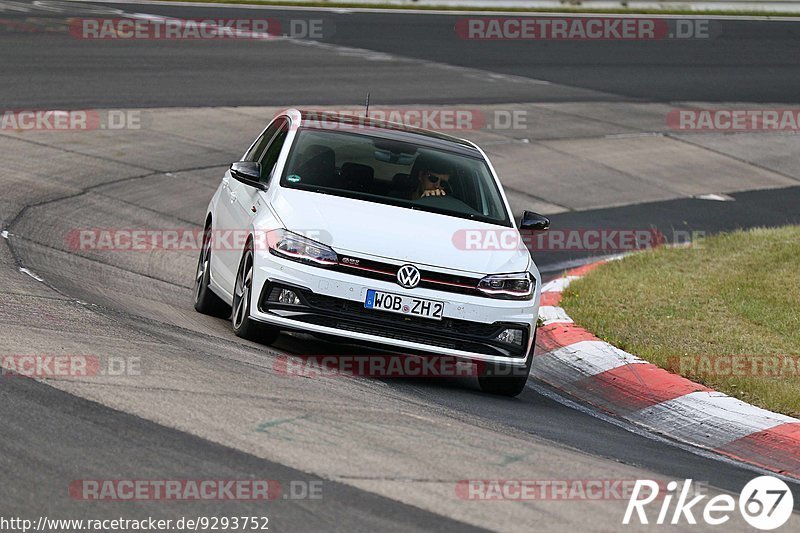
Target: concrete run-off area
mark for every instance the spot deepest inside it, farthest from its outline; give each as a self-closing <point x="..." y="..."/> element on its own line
<point x="551" y="157"/>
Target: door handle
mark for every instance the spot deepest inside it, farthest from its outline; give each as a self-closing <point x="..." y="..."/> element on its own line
<point x="233" y="196"/>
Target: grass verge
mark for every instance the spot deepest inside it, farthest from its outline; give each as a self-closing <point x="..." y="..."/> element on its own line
<point x="725" y="313"/>
<point x="566" y="9"/>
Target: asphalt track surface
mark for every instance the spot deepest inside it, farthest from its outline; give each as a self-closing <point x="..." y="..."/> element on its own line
<point x="745" y="61"/>
<point x="51" y="437"/>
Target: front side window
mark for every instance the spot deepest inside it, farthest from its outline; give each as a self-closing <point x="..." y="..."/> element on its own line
<point x="392" y="172"/>
<point x="255" y="151"/>
<point x="268" y="147"/>
<point x="269" y="157"/>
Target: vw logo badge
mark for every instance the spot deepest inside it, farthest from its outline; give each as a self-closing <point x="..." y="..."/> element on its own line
<point x="408" y="276"/>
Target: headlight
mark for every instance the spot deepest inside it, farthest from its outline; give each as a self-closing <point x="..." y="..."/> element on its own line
<point x="508" y="286"/>
<point x="292" y="246"/>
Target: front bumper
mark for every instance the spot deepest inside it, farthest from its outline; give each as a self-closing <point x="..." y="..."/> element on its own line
<point x="332" y="303"/>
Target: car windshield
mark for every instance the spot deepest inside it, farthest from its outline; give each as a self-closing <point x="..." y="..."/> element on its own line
<point x="392" y="172"/>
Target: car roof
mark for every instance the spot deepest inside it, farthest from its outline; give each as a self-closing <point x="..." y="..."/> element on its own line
<point x="390" y="130"/>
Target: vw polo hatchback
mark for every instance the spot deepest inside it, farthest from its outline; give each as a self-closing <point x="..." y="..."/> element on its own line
<point x="354" y="228"/>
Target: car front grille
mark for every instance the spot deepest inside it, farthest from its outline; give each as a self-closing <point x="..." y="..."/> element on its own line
<point x="357" y="310"/>
<point x="367" y="268"/>
<point x="349" y="315"/>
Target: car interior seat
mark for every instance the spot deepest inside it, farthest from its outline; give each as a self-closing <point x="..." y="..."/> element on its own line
<point x="319" y="166"/>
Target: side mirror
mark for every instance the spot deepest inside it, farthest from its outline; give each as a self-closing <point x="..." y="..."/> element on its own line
<point x="534" y="221"/>
<point x="249" y="173"/>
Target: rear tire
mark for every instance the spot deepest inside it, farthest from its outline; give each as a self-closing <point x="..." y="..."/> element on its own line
<point x="244" y="326"/>
<point x="205" y="301"/>
<point x="506" y="380"/>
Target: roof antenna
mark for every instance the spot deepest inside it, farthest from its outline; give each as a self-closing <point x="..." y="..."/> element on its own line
<point x="367" y="107"/>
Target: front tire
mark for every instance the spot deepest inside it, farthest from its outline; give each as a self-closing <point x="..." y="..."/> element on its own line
<point x="505" y="380"/>
<point x="205" y="301"/>
<point x="244" y="326"/>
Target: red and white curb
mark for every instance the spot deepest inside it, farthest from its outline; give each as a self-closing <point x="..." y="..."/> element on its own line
<point x="576" y="362"/>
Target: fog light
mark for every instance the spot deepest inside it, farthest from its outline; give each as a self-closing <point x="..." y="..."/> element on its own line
<point x="511" y="336"/>
<point x="288" y="297"/>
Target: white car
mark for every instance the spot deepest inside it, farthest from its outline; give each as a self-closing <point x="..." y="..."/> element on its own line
<point x="336" y="225"/>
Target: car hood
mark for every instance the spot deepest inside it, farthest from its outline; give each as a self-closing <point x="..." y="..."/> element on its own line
<point x="365" y="229"/>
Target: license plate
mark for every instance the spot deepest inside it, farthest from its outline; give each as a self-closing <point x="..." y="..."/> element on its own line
<point x="403" y="305"/>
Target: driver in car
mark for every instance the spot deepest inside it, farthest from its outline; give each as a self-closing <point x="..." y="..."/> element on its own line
<point x="431" y="181"/>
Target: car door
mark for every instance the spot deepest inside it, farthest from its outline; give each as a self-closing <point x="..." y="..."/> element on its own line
<point x="246" y="204"/>
<point x="232" y="222"/>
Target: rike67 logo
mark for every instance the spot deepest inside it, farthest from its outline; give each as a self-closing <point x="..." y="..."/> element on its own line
<point x="765" y="503"/>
